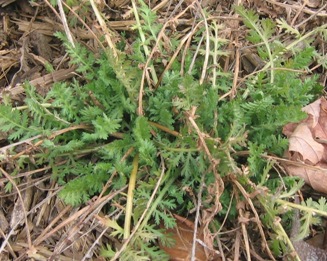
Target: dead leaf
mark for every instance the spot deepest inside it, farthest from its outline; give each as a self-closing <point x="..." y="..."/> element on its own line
<point x="320" y="129"/>
<point x="301" y="141"/>
<point x="183" y="236"/>
<point x="314" y="110"/>
<point x="315" y="176"/>
<point x="308" y="144"/>
<point x="289" y="128"/>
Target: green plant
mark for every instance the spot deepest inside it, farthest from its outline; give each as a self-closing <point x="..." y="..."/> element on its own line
<point x="179" y="136"/>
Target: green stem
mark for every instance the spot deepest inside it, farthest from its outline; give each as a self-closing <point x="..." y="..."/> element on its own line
<point x="170" y="181"/>
<point x="264" y="39"/>
<point x="146" y="49"/>
<point x="301" y="207"/>
<point x="287" y="239"/>
<point x="163" y="146"/>
<point x="293" y="44"/>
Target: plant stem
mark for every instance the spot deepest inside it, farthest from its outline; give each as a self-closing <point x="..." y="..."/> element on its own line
<point x="130" y="196"/>
<point x="160" y="195"/>
<point x="301" y="207"/>
<point x="165" y="129"/>
<point x="146" y="49"/>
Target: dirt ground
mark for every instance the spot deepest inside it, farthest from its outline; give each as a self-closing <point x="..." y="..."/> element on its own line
<point x="30" y="52"/>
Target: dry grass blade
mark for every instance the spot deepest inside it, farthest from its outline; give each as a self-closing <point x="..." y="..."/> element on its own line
<point x="21" y="214"/>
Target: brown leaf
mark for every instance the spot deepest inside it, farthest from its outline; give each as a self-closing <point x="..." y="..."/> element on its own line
<point x="289" y="128"/>
<point x="320" y="129"/>
<point x="183" y="236"/>
<point x="308" y="143"/>
<point x="314" y="110"/>
<point x="301" y="141"/>
<point x="315" y="176"/>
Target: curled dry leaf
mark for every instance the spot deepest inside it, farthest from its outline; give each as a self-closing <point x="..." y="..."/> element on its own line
<point x="313" y="109"/>
<point x="301" y="141"/>
<point x="308" y="144"/>
<point x="315" y="176"/>
<point x="183" y="237"/>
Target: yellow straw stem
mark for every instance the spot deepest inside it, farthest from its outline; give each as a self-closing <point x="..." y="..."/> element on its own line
<point x="130" y="196"/>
